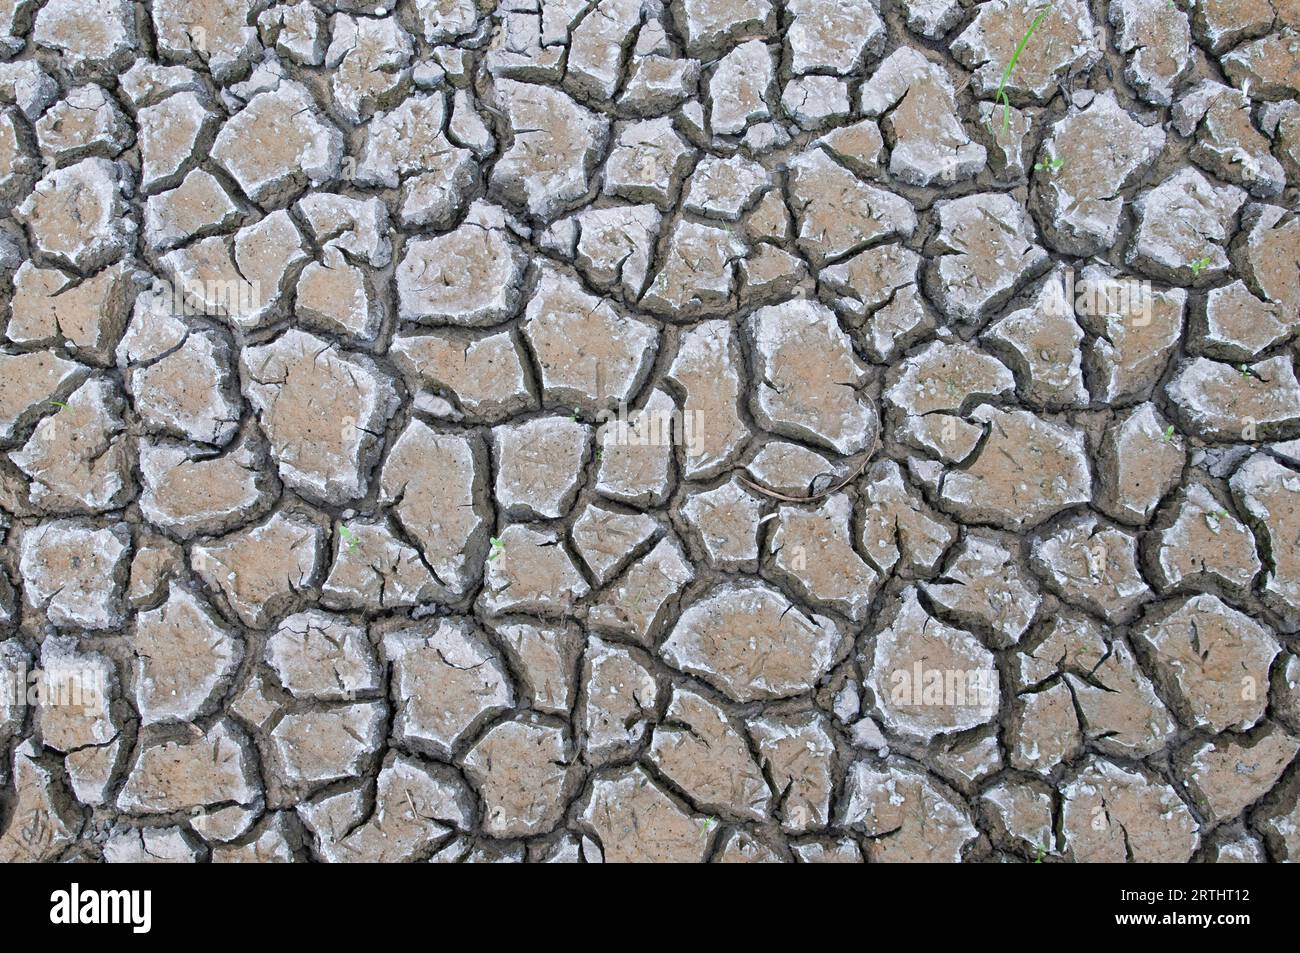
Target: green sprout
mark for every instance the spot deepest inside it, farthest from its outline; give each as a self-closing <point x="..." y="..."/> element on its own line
<point x="1001" y="96"/>
<point x="574" y="415"/>
<point x="1039" y="852"/>
<point x="59" y="404"/>
<point x="1212" y="520"/>
<point x="1245" y="370"/>
<point x="349" y="537"/>
<point x="1200" y="265"/>
<point x="498" y="547"/>
<point x="1168" y="435"/>
<point x="706" y="827"/>
<point x="1049" y="165"/>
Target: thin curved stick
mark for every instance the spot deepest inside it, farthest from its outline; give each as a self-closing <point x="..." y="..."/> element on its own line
<point x="807" y="499"/>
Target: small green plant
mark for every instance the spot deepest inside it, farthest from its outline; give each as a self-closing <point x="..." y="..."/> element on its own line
<point x="59" y="404"/>
<point x="1245" y="370"/>
<point x="1001" y="96"/>
<point x="1200" y="265"/>
<point x="574" y="416"/>
<point x="706" y="827"/>
<point x="1213" y="520"/>
<point x="1049" y="165"/>
<point x="498" y="547"/>
<point x="1039" y="853"/>
<point x="1168" y="435"/>
<point x="349" y="537"/>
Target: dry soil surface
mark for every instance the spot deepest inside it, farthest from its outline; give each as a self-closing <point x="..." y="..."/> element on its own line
<point x="618" y="430"/>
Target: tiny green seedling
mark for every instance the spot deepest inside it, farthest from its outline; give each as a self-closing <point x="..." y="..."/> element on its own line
<point x="1039" y="853"/>
<point x="706" y="827"/>
<point x="574" y="415"/>
<point x="1200" y="265"/>
<point x="498" y="547"/>
<point x="349" y="537"/>
<point x="1245" y="370"/>
<point x="1168" y="435"/>
<point x="59" y="404"/>
<point x="1049" y="165"/>
<point x="1001" y="96"/>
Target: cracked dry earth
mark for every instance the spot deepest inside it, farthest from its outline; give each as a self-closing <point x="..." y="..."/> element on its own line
<point x="581" y="430"/>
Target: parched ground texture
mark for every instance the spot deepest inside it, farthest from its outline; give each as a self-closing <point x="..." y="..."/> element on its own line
<point x="581" y="430"/>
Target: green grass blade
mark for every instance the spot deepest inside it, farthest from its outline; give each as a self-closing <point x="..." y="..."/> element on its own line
<point x="1015" y="57"/>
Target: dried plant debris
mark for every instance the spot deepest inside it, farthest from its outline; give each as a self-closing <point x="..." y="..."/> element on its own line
<point x="601" y="430"/>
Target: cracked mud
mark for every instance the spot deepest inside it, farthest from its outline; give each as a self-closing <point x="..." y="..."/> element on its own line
<point x="628" y="430"/>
